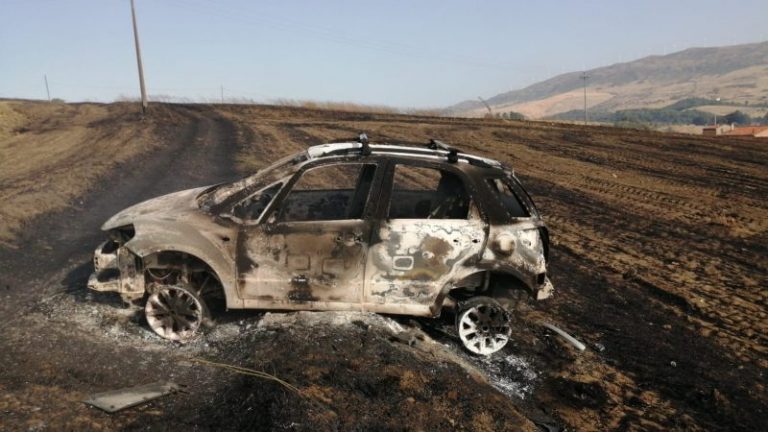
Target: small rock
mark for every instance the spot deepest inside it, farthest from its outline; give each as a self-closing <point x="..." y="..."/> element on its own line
<point x="673" y="363"/>
<point x="629" y="274"/>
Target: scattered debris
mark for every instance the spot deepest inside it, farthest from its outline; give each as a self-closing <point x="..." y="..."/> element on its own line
<point x="580" y="346"/>
<point x="116" y="400"/>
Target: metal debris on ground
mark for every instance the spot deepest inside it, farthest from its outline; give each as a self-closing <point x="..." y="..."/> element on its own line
<point x="116" y="400"/>
<point x="249" y="372"/>
<point x="580" y="346"/>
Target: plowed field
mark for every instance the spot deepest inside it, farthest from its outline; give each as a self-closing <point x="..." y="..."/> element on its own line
<point x="659" y="259"/>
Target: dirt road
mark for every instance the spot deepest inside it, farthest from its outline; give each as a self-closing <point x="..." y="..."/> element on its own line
<point x="49" y="365"/>
<point x="659" y="259"/>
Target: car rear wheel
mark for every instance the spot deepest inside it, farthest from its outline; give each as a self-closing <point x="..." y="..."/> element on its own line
<point x="175" y="312"/>
<point x="483" y="325"/>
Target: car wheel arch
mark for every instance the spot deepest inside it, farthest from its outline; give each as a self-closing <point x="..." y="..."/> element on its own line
<point x="178" y="257"/>
<point x="490" y="283"/>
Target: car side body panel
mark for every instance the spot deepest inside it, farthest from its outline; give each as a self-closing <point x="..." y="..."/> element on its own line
<point x="400" y="266"/>
<point x="213" y="245"/>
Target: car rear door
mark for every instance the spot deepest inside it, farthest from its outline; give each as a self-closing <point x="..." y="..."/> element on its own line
<point x="429" y="228"/>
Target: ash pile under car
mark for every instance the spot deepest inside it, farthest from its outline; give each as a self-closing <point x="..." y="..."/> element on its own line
<point x="348" y="226"/>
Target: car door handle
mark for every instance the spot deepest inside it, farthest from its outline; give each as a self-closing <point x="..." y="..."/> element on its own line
<point x="349" y="238"/>
<point x="402" y="262"/>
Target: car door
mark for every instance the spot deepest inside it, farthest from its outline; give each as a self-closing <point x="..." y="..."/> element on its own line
<point x="429" y="228"/>
<point x="311" y="251"/>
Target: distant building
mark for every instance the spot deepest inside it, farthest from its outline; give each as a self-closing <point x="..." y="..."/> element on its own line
<point x="714" y="130"/>
<point x="754" y="131"/>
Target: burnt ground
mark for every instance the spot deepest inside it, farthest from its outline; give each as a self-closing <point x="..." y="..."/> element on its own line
<point x="658" y="257"/>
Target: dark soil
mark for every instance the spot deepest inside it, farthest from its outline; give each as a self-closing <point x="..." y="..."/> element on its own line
<point x="656" y="271"/>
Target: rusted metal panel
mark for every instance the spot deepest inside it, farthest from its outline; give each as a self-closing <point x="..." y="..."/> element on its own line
<point x="301" y="262"/>
<point x="518" y="249"/>
<point x="411" y="260"/>
<point x="117" y="400"/>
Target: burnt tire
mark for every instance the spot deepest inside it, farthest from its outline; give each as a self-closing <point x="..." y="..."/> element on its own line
<point x="483" y="325"/>
<point x="175" y="312"/>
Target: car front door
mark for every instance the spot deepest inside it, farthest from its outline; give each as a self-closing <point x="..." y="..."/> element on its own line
<point x="311" y="251"/>
<point x="429" y="228"/>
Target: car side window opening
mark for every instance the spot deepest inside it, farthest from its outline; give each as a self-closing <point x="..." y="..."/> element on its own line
<point x="252" y="207"/>
<point x="508" y="198"/>
<point x="427" y="193"/>
<point x="329" y="192"/>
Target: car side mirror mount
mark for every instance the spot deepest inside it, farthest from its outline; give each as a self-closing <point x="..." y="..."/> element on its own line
<point x="230" y="216"/>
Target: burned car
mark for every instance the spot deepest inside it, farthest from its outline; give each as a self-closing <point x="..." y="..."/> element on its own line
<point x="348" y="226"/>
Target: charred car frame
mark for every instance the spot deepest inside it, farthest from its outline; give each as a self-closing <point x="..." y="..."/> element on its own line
<point x="346" y="226"/>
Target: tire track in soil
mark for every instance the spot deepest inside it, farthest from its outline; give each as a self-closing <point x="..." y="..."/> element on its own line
<point x="639" y="239"/>
<point x="664" y="163"/>
<point x="197" y="151"/>
<point x="650" y="348"/>
<point x="49" y="363"/>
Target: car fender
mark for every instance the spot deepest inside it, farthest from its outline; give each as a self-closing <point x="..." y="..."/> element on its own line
<point x="210" y="247"/>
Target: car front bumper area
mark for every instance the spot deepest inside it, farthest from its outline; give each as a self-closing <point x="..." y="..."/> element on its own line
<point x="115" y="271"/>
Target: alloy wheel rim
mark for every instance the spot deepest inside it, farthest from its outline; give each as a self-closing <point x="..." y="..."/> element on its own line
<point x="484" y="329"/>
<point x="174" y="313"/>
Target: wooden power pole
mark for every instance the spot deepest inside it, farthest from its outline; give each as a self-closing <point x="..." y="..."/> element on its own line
<point x="488" y="107"/>
<point x="144" y="102"/>
<point x="585" y="77"/>
<point x="47" y="90"/>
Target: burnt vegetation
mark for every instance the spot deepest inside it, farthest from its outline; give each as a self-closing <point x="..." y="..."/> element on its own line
<point x="658" y="246"/>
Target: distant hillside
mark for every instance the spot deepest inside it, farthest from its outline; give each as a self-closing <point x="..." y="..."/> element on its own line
<point x="737" y="74"/>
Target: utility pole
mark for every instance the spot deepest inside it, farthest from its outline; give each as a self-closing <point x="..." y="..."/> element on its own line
<point x="716" y="100"/>
<point x="47" y="90"/>
<point x="584" y="76"/>
<point x="488" y="107"/>
<point x="144" y="102"/>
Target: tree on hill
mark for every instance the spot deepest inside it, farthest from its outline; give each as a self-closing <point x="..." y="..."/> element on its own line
<point x="737" y="117"/>
<point x="692" y="102"/>
<point x="513" y="115"/>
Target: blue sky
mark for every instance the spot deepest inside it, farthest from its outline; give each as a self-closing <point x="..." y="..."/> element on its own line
<point x="418" y="53"/>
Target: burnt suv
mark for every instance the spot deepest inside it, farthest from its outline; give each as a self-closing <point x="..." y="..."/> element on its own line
<point x="347" y="226"/>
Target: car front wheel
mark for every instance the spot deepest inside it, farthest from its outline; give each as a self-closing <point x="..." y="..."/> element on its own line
<point x="175" y="312"/>
<point x="483" y="325"/>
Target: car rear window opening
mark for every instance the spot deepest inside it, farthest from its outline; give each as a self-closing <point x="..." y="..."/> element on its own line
<point x="507" y="197"/>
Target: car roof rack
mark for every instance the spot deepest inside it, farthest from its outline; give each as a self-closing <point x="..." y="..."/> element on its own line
<point x="435" y="148"/>
<point x="362" y="138"/>
<point x="453" y="154"/>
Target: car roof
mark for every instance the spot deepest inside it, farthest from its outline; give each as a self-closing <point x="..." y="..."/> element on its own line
<point x="441" y="154"/>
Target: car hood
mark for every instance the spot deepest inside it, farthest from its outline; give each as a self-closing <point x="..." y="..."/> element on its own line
<point x="169" y="207"/>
